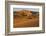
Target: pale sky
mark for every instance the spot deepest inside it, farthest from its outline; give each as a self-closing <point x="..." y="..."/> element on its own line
<point x="26" y="7"/>
<point x="30" y="9"/>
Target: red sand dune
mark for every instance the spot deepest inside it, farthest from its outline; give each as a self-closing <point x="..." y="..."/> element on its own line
<point x="26" y="22"/>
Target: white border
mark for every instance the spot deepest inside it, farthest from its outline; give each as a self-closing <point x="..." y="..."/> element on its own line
<point x="29" y="28"/>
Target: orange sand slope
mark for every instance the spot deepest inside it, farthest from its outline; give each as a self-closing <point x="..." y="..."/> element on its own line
<point x="23" y="22"/>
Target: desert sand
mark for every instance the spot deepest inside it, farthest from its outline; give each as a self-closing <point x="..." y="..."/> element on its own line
<point x="26" y="21"/>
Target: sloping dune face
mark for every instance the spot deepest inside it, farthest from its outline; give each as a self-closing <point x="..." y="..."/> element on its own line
<point x="26" y="18"/>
